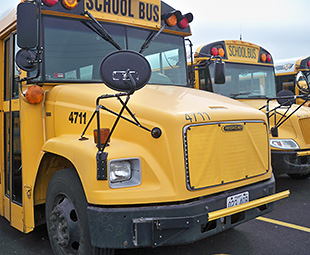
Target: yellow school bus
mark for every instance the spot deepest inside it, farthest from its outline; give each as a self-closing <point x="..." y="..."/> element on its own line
<point x="104" y="141"/>
<point x="286" y="71"/>
<point x="250" y="79"/>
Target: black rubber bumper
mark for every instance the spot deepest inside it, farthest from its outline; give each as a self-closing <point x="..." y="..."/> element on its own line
<point x="179" y="223"/>
<point x="287" y="162"/>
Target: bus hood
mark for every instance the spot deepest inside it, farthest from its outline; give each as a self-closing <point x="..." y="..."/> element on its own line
<point x="152" y="102"/>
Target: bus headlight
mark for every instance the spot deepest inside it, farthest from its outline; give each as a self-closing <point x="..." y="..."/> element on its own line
<point x="285" y="144"/>
<point x="124" y="172"/>
<point x="120" y="171"/>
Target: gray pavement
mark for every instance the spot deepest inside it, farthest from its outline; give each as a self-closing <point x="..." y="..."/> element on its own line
<point x="252" y="238"/>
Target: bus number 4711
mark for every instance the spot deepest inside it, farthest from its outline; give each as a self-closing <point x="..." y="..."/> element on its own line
<point x="77" y="117"/>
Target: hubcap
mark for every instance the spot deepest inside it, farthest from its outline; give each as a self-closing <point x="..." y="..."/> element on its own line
<point x="64" y="226"/>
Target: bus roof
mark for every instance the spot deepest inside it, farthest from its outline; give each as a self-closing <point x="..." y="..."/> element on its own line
<point x="292" y="65"/>
<point x="7" y="21"/>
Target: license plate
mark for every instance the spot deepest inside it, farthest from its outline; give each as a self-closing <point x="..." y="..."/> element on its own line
<point x="237" y="199"/>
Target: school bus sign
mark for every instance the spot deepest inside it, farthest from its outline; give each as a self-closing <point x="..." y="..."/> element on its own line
<point x="242" y="51"/>
<point x="145" y="13"/>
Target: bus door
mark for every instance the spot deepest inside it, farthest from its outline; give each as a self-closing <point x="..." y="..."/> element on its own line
<point x="12" y="167"/>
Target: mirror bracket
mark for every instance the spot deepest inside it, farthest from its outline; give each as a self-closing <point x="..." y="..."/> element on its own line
<point x="124" y="71"/>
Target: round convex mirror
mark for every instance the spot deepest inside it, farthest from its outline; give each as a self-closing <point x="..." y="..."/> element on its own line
<point x="117" y="67"/>
<point x="285" y="97"/>
<point x="25" y="60"/>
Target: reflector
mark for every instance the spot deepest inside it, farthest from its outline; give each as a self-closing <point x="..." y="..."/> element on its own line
<point x="50" y="2"/>
<point x="69" y="4"/>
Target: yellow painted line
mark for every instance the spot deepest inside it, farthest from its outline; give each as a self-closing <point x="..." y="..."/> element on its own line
<point x="284" y="224"/>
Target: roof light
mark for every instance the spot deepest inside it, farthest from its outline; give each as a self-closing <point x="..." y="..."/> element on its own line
<point x="171" y="18"/>
<point x="34" y="94"/>
<point x="263" y="57"/>
<point x="268" y="57"/>
<point x="69" y="4"/>
<point x="214" y="51"/>
<point x="50" y="2"/>
<point x="221" y="52"/>
<point x="185" y="20"/>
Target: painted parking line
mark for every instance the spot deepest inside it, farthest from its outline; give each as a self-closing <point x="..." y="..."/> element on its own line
<point x="284" y="224"/>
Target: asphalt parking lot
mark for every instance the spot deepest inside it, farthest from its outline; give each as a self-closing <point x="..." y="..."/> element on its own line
<point x="284" y="231"/>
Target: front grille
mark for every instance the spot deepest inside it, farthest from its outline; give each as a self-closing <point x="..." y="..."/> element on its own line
<point x="226" y="152"/>
<point x="305" y="127"/>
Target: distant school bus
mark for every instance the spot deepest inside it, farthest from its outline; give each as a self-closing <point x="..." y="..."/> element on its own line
<point x="286" y="71"/>
<point x="103" y="140"/>
<point x="250" y="79"/>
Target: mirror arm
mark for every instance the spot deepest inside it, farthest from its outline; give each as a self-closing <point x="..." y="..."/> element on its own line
<point x="192" y="78"/>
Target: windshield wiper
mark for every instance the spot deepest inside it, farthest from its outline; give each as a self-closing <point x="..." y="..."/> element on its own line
<point x="232" y="95"/>
<point x="259" y="96"/>
<point x="150" y="38"/>
<point x="101" y="31"/>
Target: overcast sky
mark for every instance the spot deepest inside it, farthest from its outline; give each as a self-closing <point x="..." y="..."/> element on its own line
<point x="280" y="26"/>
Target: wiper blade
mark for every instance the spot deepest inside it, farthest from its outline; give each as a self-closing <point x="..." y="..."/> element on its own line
<point x="150" y="38"/>
<point x="239" y="94"/>
<point x="102" y="32"/>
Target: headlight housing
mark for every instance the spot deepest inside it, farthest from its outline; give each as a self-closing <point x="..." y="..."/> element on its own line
<point x="124" y="172"/>
<point x="285" y="144"/>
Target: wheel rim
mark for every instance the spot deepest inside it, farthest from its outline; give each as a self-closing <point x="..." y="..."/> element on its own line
<point x="64" y="226"/>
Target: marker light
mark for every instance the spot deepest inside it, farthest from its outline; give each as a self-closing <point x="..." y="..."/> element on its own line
<point x="34" y="94"/>
<point x="221" y="52"/>
<point x="308" y="63"/>
<point x="185" y="20"/>
<point x="288" y="144"/>
<point x="263" y="57"/>
<point x="104" y="134"/>
<point x="214" y="51"/>
<point x="69" y="4"/>
<point x="50" y="2"/>
<point x="268" y="57"/>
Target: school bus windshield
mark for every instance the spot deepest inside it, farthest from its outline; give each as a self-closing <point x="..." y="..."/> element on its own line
<point x="73" y="51"/>
<point x="245" y="81"/>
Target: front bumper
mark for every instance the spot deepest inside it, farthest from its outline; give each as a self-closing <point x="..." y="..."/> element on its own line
<point x="179" y="223"/>
<point x="290" y="162"/>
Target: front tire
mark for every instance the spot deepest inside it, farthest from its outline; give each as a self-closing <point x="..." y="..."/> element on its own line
<point x="66" y="214"/>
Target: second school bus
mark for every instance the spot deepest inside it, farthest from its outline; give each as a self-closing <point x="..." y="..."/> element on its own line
<point x="250" y="79"/>
<point x="107" y="167"/>
<point x="286" y="71"/>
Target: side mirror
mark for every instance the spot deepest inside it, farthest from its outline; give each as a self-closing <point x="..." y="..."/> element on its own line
<point x="125" y="71"/>
<point x="302" y="82"/>
<point x="285" y="98"/>
<point x="27" y="25"/>
<point x="26" y="60"/>
<point x="219" y="73"/>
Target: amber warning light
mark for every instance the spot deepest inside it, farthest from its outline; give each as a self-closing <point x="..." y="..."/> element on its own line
<point x="34" y="94"/>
